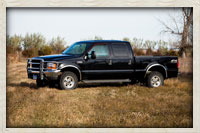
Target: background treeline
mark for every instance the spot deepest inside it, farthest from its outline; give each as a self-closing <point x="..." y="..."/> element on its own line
<point x="35" y="44"/>
<point x="156" y="48"/>
<point x="148" y="47"/>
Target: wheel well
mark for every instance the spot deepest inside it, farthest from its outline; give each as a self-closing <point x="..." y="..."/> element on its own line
<point x="74" y="70"/>
<point x="159" y="69"/>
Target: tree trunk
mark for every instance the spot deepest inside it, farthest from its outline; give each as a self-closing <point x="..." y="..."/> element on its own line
<point x="187" y="22"/>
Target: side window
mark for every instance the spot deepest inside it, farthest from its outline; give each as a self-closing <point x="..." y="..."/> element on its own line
<point x="100" y="51"/>
<point x="120" y="50"/>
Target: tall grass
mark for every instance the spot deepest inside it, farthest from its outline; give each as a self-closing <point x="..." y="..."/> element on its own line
<point x="97" y="105"/>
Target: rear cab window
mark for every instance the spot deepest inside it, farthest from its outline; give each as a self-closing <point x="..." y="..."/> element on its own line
<point x="120" y="50"/>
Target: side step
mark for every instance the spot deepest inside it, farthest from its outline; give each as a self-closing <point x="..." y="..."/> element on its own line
<point x="106" y="81"/>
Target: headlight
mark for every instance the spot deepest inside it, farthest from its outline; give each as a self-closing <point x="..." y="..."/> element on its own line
<point x="51" y="65"/>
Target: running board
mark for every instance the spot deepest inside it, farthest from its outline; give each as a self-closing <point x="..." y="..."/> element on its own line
<point x="106" y="81"/>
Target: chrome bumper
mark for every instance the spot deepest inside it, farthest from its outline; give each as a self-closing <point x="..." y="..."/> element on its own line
<point x="46" y="74"/>
<point x="52" y="74"/>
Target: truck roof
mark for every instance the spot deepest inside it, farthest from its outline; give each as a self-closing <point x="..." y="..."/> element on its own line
<point x="101" y="41"/>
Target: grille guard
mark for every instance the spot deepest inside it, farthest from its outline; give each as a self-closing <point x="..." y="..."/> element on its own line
<point x="41" y="69"/>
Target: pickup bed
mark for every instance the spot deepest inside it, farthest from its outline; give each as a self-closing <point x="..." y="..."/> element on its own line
<point x="101" y="61"/>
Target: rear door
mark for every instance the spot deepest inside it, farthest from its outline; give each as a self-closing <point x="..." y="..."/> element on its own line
<point x="121" y="60"/>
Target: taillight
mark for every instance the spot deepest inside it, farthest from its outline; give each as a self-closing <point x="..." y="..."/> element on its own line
<point x="177" y="63"/>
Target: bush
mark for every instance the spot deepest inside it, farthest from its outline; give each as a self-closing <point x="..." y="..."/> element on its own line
<point x="31" y="52"/>
<point x="149" y="51"/>
<point x="172" y="52"/>
<point x="13" y="44"/>
<point x="138" y="51"/>
<point x="57" y="45"/>
<point x="33" y="41"/>
<point x="45" y="50"/>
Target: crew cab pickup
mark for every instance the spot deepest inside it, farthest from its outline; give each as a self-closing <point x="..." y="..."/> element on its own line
<point x="101" y="61"/>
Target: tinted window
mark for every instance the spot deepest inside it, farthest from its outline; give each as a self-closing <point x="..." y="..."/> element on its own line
<point x="120" y="50"/>
<point x="76" y="49"/>
<point x="100" y="51"/>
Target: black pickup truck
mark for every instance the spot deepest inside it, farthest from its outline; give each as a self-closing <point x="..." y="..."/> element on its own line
<point x="101" y="61"/>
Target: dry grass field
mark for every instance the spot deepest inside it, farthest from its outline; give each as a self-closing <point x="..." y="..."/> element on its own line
<point x="92" y="105"/>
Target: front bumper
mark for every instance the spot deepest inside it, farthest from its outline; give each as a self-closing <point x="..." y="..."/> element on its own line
<point x="50" y="74"/>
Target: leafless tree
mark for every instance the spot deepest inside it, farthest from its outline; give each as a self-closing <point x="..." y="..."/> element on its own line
<point x="184" y="32"/>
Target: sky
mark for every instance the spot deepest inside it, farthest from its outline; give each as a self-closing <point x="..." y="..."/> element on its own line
<point x="75" y="24"/>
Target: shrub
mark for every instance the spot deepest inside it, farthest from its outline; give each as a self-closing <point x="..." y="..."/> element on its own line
<point x="149" y="51"/>
<point x="138" y="51"/>
<point x="13" y="44"/>
<point x="45" y="50"/>
<point x="32" y="41"/>
<point x="172" y="52"/>
<point x="31" y="52"/>
<point x="57" y="45"/>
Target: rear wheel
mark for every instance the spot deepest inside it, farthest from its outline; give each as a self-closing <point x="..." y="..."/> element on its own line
<point x="155" y="79"/>
<point x="68" y="81"/>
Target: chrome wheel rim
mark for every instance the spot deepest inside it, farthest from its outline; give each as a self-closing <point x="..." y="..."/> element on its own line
<point x="69" y="82"/>
<point x="155" y="81"/>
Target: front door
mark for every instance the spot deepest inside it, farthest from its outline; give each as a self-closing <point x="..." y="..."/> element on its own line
<point x="98" y="68"/>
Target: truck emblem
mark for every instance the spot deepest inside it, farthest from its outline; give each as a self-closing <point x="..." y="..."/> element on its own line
<point x="173" y="61"/>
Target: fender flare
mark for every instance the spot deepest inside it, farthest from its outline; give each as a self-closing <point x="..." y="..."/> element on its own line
<point x="153" y="65"/>
<point x="73" y="66"/>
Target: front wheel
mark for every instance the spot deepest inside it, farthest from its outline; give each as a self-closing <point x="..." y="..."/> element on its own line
<point x="155" y="79"/>
<point x="68" y="81"/>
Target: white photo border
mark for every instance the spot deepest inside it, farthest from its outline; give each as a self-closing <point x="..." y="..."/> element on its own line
<point x="195" y="4"/>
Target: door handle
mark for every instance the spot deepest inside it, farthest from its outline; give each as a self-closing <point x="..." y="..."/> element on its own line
<point x="110" y="62"/>
<point x="130" y="62"/>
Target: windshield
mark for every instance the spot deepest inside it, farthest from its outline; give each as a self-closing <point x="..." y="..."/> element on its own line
<point x="76" y="49"/>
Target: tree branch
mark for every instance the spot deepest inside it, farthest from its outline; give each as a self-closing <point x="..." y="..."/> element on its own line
<point x="168" y="29"/>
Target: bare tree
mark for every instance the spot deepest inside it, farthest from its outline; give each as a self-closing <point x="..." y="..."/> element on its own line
<point x="184" y="32"/>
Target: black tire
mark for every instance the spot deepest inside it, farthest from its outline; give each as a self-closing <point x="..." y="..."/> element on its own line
<point x="64" y="84"/>
<point x="155" y="79"/>
<point x="40" y="83"/>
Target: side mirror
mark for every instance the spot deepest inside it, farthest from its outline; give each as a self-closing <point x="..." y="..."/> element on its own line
<point x="93" y="55"/>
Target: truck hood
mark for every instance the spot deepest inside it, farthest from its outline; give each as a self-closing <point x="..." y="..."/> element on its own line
<point x="55" y="57"/>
